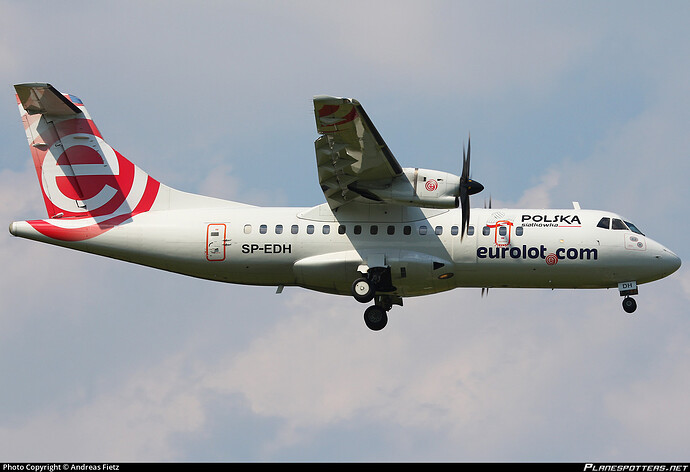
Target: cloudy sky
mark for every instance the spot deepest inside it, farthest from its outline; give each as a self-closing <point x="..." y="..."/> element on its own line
<point x="565" y="101"/>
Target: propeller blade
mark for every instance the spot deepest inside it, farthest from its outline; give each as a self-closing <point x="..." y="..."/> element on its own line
<point x="465" y="176"/>
<point x="465" y="208"/>
<point x="469" y="148"/>
<point x="466" y="188"/>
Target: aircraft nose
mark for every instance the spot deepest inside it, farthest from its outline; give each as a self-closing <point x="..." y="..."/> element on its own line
<point x="674" y="263"/>
<point x="669" y="260"/>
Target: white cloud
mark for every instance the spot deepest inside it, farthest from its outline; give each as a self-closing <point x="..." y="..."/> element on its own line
<point x="133" y="421"/>
<point x="540" y="195"/>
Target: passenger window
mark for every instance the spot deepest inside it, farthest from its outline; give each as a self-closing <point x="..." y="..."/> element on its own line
<point x="422" y="230"/>
<point x="454" y="230"/>
<point x="618" y="224"/>
<point x="604" y="223"/>
<point x="263" y="229"/>
<point x="502" y="230"/>
<point x="518" y="231"/>
<point x="247" y="229"/>
<point x="326" y="229"/>
<point x="310" y="229"/>
<point x="486" y="231"/>
<point x="341" y="229"/>
<point x="294" y="229"/>
<point x="391" y="230"/>
<point x="358" y="229"/>
<point x="407" y="230"/>
<point x="439" y="230"/>
<point x="470" y="231"/>
<point x="279" y="229"/>
<point x="374" y="229"/>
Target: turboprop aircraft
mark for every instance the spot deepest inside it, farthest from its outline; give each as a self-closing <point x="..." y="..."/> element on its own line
<point x="385" y="232"/>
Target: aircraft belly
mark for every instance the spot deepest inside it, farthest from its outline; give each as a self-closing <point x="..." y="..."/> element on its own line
<point x="332" y="272"/>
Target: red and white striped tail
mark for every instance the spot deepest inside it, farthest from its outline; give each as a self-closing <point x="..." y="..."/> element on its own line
<point x="87" y="186"/>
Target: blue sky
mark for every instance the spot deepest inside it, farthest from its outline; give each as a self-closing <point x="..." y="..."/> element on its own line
<point x="565" y="101"/>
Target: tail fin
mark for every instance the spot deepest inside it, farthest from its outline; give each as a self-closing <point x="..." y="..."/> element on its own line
<point x="81" y="176"/>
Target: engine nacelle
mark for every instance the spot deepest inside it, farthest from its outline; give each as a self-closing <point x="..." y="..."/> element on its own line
<point x="422" y="188"/>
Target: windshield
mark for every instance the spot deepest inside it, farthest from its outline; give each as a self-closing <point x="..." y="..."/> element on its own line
<point x="633" y="228"/>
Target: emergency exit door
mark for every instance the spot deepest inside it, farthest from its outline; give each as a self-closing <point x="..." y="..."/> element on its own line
<point x="215" y="242"/>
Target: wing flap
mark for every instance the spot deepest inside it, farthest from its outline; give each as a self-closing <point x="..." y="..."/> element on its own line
<point x="350" y="153"/>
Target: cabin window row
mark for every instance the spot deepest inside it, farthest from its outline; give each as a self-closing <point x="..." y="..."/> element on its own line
<point x="358" y="229"/>
<point x="502" y="231"/>
<point x="374" y="230"/>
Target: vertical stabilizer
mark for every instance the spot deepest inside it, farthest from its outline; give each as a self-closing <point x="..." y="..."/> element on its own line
<point x="87" y="186"/>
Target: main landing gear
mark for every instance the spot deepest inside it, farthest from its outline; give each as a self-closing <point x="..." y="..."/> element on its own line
<point x="363" y="290"/>
<point x="368" y="288"/>
<point x="375" y="317"/>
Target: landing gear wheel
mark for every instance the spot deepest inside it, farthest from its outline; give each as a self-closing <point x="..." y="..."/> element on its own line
<point x="375" y="318"/>
<point x="629" y="304"/>
<point x="363" y="290"/>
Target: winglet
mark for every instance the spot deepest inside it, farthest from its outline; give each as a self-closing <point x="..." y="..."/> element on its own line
<point x="40" y="98"/>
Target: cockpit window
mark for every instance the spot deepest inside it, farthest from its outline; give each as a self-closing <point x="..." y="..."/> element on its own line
<point x="618" y="224"/>
<point x="633" y="228"/>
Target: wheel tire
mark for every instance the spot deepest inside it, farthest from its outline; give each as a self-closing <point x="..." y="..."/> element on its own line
<point x="629" y="305"/>
<point x="375" y="318"/>
<point x="363" y="290"/>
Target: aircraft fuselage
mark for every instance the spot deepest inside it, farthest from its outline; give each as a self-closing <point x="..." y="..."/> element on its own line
<point x="323" y="250"/>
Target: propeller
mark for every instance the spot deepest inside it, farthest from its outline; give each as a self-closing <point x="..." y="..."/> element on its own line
<point x="467" y="187"/>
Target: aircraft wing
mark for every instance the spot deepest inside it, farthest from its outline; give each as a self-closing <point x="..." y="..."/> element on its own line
<point x="351" y="155"/>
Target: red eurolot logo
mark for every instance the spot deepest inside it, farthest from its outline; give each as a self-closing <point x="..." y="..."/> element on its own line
<point x="431" y="185"/>
<point x="87" y="186"/>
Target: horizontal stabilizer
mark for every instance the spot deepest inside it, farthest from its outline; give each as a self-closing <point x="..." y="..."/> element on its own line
<point x="39" y="98"/>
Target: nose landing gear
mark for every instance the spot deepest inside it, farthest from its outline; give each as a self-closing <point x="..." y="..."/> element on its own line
<point x="626" y="289"/>
<point x="629" y="304"/>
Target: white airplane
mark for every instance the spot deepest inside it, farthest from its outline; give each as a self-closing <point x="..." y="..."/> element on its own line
<point x="385" y="233"/>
